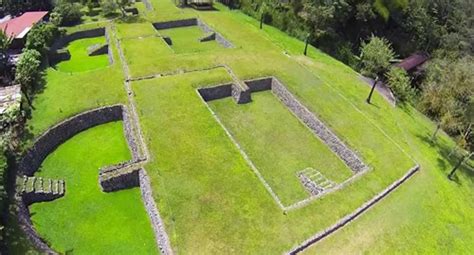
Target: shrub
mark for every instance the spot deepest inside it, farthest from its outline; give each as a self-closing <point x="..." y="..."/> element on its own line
<point x="70" y="13"/>
<point x="400" y="84"/>
<point x="27" y="69"/>
<point x="41" y="36"/>
<point x="109" y="7"/>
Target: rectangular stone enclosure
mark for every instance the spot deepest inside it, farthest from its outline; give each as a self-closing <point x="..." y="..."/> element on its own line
<point x="316" y="182"/>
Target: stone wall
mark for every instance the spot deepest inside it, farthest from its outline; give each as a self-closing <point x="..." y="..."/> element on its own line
<point x="97" y="49"/>
<point x="240" y="94"/>
<point x="121" y="176"/>
<point x="175" y="23"/>
<point x="217" y="92"/>
<point x="23" y="215"/>
<point x="66" y="39"/>
<point x="208" y="37"/>
<point x="63" y="131"/>
<point x="260" y="84"/>
<point x="193" y="22"/>
<point x="59" y="55"/>
<point x="351" y="159"/>
<point x="219" y="38"/>
<point x="161" y="237"/>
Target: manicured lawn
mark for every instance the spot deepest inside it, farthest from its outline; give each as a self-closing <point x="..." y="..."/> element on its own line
<point x="80" y="61"/>
<point x="87" y="220"/>
<point x="186" y="40"/>
<point x="278" y="144"/>
<point x="143" y="54"/>
<point x="210" y="200"/>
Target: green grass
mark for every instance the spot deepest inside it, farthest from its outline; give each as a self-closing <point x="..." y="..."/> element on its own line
<point x="80" y="61"/>
<point x="278" y="144"/>
<point x="186" y="40"/>
<point x="134" y="30"/>
<point x="143" y="54"/>
<point x="210" y="199"/>
<point x="87" y="220"/>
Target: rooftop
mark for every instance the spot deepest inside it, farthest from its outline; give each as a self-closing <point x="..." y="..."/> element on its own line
<point x="19" y="26"/>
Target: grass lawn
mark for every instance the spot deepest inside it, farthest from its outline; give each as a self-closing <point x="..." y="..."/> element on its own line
<point x="87" y="220"/>
<point x="210" y="200"/>
<point x="143" y="54"/>
<point x="186" y="40"/>
<point x="80" y="61"/>
<point x="278" y="144"/>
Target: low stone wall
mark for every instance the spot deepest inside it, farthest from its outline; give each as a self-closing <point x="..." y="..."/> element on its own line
<point x="23" y="215"/>
<point x="352" y="216"/>
<point x="59" y="55"/>
<point x="63" y="131"/>
<point x="260" y="84"/>
<point x="175" y="23"/>
<point x="219" y="38"/>
<point x="217" y="92"/>
<point x="121" y="176"/>
<point x="351" y="159"/>
<point x="194" y="22"/>
<point x="241" y="95"/>
<point x="98" y="49"/>
<point x="161" y="237"/>
<point x="66" y="39"/>
<point x="207" y="38"/>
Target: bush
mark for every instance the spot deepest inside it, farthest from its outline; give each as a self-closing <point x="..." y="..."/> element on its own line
<point x="400" y="84"/>
<point x="41" y="36"/>
<point x="28" y="69"/>
<point x="109" y="7"/>
<point x="69" y="13"/>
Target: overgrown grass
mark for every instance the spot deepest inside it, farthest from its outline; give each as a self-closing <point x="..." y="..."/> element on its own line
<point x="80" y="60"/>
<point x="87" y="220"/>
<point x="278" y="144"/>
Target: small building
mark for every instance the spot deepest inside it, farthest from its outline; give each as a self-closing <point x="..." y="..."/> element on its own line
<point x="414" y="63"/>
<point x="10" y="99"/>
<point x="18" y="27"/>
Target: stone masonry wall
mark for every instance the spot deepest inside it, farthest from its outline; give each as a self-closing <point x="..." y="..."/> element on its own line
<point x="217" y="92"/>
<point x="351" y="159"/>
<point x="64" y="40"/>
<point x="63" y="131"/>
<point x="120" y="176"/>
<point x="175" y="23"/>
<point x="23" y="215"/>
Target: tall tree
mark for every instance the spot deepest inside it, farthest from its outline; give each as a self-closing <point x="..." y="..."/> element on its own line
<point x="5" y="42"/>
<point x="375" y="59"/>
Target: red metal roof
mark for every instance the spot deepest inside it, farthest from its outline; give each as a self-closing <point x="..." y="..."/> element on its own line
<point x="413" y="61"/>
<point x="19" y="26"/>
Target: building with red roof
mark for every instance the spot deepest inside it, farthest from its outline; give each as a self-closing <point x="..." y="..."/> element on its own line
<point x="19" y="27"/>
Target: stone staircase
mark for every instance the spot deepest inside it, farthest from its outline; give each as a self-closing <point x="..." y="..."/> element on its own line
<point x="314" y="182"/>
<point x="38" y="189"/>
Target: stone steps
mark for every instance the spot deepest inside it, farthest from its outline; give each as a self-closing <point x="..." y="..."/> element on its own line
<point x="314" y="182"/>
<point x="38" y="189"/>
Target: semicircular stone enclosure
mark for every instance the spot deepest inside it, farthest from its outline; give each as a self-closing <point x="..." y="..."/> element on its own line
<point x="195" y="132"/>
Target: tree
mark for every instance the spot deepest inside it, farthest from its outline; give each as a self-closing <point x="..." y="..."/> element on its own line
<point x="460" y="162"/>
<point x="400" y="83"/>
<point x="375" y="59"/>
<point x="447" y="92"/>
<point x="5" y="42"/>
<point x="41" y="36"/>
<point x="28" y="71"/>
<point x="109" y="7"/>
<point x="263" y="11"/>
<point x="70" y="13"/>
<point x="123" y="4"/>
